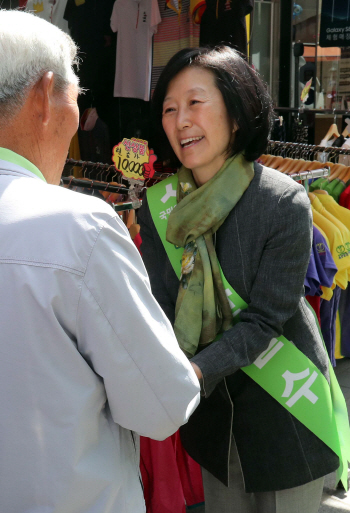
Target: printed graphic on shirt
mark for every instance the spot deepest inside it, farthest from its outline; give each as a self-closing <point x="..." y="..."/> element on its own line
<point x="342" y="253"/>
<point x="38" y="7"/>
<point x="321" y="248"/>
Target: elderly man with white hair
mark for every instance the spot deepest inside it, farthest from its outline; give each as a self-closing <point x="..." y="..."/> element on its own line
<point x="88" y="359"/>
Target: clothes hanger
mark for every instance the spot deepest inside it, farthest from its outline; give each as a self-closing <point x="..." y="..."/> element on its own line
<point x="336" y="170"/>
<point x="305" y="166"/>
<point x="285" y="164"/>
<point x="297" y="167"/>
<point x="346" y="177"/>
<point x="275" y="162"/>
<point x="320" y="191"/>
<point x="333" y="130"/>
<point x="312" y="196"/>
<point x="265" y="158"/>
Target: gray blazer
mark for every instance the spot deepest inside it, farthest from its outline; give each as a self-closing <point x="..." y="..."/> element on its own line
<point x="264" y="248"/>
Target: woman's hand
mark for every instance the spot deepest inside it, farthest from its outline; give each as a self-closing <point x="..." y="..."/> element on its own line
<point x="197" y="371"/>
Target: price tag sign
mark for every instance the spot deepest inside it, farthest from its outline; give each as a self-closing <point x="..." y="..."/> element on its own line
<point x="131" y="157"/>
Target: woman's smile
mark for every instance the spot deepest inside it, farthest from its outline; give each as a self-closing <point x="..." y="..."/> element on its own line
<point x="190" y="141"/>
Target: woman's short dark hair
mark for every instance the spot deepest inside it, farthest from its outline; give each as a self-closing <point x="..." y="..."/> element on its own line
<point x="247" y="101"/>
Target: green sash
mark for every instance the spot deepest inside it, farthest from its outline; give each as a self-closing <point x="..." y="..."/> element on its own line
<point x="282" y="370"/>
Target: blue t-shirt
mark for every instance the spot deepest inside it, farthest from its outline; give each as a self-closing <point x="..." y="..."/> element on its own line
<point x="325" y="265"/>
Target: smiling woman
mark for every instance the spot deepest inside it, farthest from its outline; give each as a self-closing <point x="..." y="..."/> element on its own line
<point x="246" y="235"/>
<point x="196" y="122"/>
<point x="234" y="91"/>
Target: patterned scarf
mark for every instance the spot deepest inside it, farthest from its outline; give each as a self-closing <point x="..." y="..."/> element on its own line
<point x="202" y="308"/>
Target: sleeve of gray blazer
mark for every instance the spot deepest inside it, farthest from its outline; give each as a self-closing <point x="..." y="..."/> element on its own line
<point x="275" y="294"/>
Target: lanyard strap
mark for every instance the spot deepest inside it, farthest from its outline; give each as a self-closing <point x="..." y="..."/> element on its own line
<point x="282" y="369"/>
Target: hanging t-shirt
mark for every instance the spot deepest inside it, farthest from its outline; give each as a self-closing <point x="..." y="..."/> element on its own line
<point x="50" y="10"/>
<point x="177" y="31"/>
<point x="135" y="21"/>
<point x="334" y="235"/>
<point x="344" y="199"/>
<point x="341" y="213"/>
<point x="342" y="250"/>
<point x="312" y="283"/>
<point x="223" y="22"/>
<point x="328" y="314"/>
<point x="324" y="262"/>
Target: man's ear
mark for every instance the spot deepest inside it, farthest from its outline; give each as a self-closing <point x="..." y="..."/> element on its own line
<point x="44" y="92"/>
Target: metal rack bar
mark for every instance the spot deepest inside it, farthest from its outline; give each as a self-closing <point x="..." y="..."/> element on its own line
<point x="103" y="167"/>
<point x="92" y="184"/>
<point x="315" y="111"/>
<point x="308" y="175"/>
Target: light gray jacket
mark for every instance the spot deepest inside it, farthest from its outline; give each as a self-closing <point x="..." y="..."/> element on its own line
<point x="87" y="357"/>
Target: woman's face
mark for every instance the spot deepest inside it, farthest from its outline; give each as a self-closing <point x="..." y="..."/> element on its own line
<point x="196" y="122"/>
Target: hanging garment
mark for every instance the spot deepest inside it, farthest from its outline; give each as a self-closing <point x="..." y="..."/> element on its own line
<point x="171" y="478"/>
<point x="89" y="24"/>
<point x="312" y="282"/>
<point x="94" y="138"/>
<point x="324" y="262"/>
<point x="135" y="21"/>
<point x="328" y="314"/>
<point x="335" y="240"/>
<point x="344" y="199"/>
<point x="176" y="32"/>
<point x="50" y="10"/>
<point x="223" y="22"/>
<point x="315" y="302"/>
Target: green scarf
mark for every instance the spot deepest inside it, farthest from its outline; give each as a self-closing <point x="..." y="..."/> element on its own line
<point x="202" y="309"/>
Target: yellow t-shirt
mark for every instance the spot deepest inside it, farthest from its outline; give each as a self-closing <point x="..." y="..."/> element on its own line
<point x="341" y="213"/>
<point x="335" y="238"/>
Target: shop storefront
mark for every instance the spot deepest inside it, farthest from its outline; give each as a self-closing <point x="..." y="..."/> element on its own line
<point x="301" y="49"/>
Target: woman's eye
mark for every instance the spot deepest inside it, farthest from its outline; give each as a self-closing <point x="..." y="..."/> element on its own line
<point x="193" y="102"/>
<point x="168" y="109"/>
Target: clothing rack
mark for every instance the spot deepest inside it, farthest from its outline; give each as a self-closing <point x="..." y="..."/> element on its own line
<point x="304" y="151"/>
<point x="310" y="175"/>
<point x="93" y="184"/>
<point x="301" y="110"/>
<point x="101" y="168"/>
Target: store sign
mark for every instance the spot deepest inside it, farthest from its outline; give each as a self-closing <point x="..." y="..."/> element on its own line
<point x="335" y="23"/>
<point x="134" y="159"/>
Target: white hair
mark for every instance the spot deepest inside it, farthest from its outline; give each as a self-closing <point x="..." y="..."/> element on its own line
<point x="30" y="47"/>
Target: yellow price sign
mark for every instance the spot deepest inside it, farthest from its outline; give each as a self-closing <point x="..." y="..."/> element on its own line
<point x="129" y="157"/>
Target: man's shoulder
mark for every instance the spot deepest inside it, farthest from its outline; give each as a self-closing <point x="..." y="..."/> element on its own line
<point x="51" y="225"/>
<point x="74" y="203"/>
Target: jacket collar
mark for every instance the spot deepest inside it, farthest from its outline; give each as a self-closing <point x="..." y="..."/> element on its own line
<point x="19" y="164"/>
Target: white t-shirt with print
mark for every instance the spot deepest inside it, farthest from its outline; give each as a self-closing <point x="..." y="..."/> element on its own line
<point x="50" y="10"/>
<point x="135" y="21"/>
